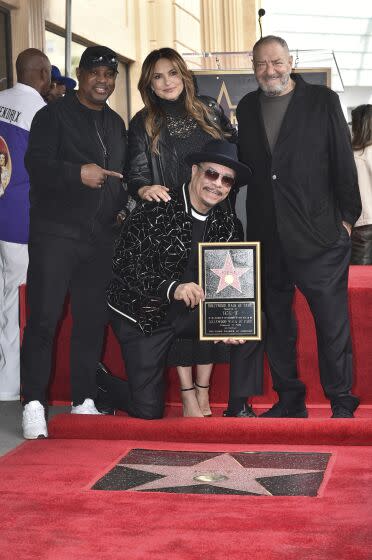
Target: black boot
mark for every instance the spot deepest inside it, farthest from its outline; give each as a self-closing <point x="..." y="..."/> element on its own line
<point x="343" y="406"/>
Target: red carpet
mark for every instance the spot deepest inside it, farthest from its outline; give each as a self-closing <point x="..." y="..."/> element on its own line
<point x="50" y="513"/>
<point x="360" y="303"/>
<point x="214" y="430"/>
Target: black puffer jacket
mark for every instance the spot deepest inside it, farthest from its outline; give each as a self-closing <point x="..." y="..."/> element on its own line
<point x="147" y="168"/>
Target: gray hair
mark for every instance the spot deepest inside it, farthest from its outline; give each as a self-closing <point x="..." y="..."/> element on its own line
<point x="269" y="39"/>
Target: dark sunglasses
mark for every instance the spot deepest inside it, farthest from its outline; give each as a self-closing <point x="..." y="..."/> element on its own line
<point x="213" y="175"/>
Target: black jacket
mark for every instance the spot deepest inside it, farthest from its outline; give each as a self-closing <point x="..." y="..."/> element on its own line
<point x="309" y="184"/>
<point x="63" y="137"/>
<point x="147" y="168"/>
<point x="152" y="252"/>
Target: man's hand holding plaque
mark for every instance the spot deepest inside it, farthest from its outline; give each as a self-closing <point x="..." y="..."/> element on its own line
<point x="192" y="294"/>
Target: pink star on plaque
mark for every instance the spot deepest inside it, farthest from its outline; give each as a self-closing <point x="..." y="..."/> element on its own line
<point x="229" y="274"/>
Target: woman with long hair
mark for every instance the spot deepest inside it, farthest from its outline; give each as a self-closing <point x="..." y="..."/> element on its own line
<point x="174" y="122"/>
<point x="361" y="236"/>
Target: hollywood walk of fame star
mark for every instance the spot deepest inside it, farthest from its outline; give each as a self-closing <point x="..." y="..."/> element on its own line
<point x="229" y="274"/>
<point x="226" y="470"/>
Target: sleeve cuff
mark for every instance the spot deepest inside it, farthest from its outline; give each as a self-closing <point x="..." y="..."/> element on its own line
<point x="350" y="219"/>
<point x="171" y="289"/>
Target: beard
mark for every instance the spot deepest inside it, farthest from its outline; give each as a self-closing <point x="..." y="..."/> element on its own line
<point x="271" y="90"/>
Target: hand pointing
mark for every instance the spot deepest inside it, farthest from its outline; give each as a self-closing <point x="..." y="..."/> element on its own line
<point x="94" y="176"/>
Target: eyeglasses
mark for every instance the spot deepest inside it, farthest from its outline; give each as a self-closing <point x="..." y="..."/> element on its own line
<point x="227" y="180"/>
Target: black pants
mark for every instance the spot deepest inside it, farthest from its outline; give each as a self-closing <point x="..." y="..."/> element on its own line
<point x="57" y="265"/>
<point x="145" y="359"/>
<point x="323" y="281"/>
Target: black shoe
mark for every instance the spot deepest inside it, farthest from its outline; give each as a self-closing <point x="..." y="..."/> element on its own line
<point x="246" y="412"/>
<point x="282" y="410"/>
<point x="339" y="411"/>
<point x="103" y="403"/>
<point x="344" y="406"/>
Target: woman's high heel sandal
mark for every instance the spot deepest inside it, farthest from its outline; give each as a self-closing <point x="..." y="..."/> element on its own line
<point x="203" y="399"/>
<point x="190" y="405"/>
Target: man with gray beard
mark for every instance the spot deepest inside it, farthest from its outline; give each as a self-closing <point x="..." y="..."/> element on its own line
<point x="302" y="201"/>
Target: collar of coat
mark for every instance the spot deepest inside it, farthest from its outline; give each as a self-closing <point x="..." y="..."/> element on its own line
<point x="187" y="202"/>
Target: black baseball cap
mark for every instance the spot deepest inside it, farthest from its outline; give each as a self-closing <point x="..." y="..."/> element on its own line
<point x="98" y="56"/>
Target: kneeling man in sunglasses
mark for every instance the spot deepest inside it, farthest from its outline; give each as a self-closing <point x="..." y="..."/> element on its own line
<point x="154" y="294"/>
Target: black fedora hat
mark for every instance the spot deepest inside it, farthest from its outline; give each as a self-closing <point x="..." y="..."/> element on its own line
<point x="224" y="153"/>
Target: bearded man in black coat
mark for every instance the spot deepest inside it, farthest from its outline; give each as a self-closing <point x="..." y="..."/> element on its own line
<point x="302" y="201"/>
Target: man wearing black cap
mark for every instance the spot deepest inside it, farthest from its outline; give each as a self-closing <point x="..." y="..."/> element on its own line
<point x="154" y="293"/>
<point x="76" y="159"/>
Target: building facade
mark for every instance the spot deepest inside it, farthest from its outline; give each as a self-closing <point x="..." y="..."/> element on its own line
<point x="130" y="27"/>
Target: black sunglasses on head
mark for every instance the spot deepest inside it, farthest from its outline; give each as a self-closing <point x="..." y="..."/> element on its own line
<point x="211" y="174"/>
<point x="105" y="59"/>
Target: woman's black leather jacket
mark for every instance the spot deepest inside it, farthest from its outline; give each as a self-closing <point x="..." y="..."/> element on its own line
<point x="147" y="168"/>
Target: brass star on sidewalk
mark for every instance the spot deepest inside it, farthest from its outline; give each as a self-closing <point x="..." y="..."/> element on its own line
<point x="229" y="274"/>
<point x="222" y="471"/>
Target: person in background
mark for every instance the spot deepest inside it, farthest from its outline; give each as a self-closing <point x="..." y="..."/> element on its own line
<point x="18" y="107"/>
<point x="59" y="85"/>
<point x="173" y="123"/>
<point x="154" y="296"/>
<point x="76" y="159"/>
<point x="361" y="235"/>
<point x="302" y="201"/>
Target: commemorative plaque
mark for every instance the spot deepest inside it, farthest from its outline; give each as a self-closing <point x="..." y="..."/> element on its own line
<point x="229" y="274"/>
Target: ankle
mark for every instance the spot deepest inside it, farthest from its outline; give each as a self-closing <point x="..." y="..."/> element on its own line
<point x="202" y="396"/>
<point x="190" y="406"/>
<point x="198" y="386"/>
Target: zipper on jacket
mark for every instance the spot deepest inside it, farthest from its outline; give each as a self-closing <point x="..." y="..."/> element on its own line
<point x="104" y="149"/>
<point x="105" y="166"/>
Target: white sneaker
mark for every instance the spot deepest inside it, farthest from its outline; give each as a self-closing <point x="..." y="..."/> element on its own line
<point x="87" y="407"/>
<point x="33" y="421"/>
